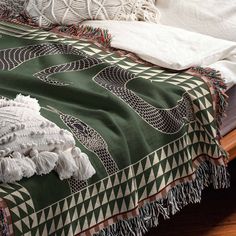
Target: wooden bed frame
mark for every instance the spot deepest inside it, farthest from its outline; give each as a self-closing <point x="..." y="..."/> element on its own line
<point x="229" y="144"/>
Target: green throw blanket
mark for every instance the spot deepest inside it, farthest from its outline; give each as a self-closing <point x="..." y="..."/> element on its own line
<point x="150" y="133"/>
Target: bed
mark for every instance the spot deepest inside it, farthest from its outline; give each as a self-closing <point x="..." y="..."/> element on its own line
<point x="151" y="134"/>
<point x="228" y="129"/>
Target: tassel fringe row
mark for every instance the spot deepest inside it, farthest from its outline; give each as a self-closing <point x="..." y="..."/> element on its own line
<point x="178" y="197"/>
<point x="101" y="36"/>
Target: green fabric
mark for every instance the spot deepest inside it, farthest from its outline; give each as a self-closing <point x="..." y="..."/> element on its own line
<point x="145" y="158"/>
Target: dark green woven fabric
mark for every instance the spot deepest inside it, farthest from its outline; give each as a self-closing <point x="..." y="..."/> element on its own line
<point x="145" y="129"/>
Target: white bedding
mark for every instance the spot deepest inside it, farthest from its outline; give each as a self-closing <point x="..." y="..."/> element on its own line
<point x="171" y="47"/>
<point x="212" y="17"/>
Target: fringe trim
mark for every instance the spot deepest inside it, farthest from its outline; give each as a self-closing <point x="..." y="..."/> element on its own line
<point x="95" y="35"/>
<point x="178" y="197"/>
<point x="4" y="229"/>
<point x="101" y="36"/>
<point x="68" y="163"/>
<point x="219" y="87"/>
<point x="21" y="18"/>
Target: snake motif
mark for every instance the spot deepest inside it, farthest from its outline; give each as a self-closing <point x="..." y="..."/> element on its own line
<point x="90" y="139"/>
<point x="112" y="78"/>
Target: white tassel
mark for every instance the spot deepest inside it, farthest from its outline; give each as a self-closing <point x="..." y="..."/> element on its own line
<point x="85" y="169"/>
<point x="44" y="161"/>
<point x="66" y="165"/>
<point x="10" y="171"/>
<point x="28" y="167"/>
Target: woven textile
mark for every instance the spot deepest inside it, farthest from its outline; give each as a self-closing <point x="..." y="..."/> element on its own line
<point x="47" y="12"/>
<point x="150" y="133"/>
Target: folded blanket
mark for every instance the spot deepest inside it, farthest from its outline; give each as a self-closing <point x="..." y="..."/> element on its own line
<point x="29" y="144"/>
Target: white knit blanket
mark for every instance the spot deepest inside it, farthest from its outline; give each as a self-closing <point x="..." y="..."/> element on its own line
<point x="30" y="144"/>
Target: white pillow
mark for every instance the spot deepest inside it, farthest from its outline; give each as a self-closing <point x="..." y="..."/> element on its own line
<point x="67" y="12"/>
<point x="166" y="46"/>
<point x="212" y="17"/>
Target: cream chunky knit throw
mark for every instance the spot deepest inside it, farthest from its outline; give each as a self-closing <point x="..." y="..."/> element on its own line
<point x="31" y="144"/>
<point x="67" y="12"/>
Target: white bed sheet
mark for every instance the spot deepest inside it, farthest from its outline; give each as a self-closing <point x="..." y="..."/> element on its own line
<point x="172" y="47"/>
<point x="212" y="17"/>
